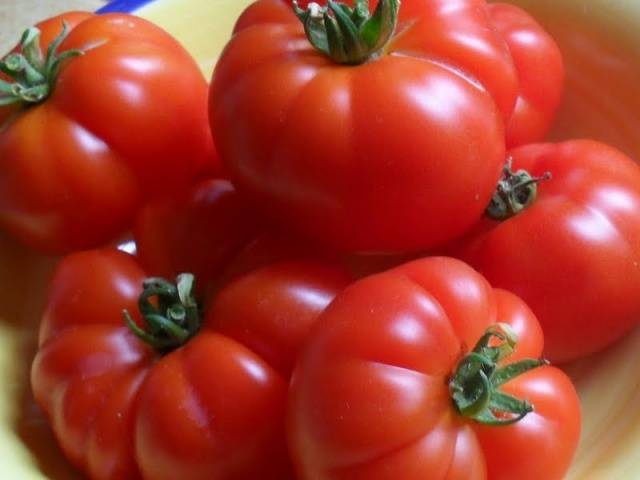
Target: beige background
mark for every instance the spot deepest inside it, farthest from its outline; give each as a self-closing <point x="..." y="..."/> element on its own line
<point x="16" y="15"/>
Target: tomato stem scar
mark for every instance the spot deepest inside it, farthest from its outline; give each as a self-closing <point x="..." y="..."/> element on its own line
<point x="515" y="192"/>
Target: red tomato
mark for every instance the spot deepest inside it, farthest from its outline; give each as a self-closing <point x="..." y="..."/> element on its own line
<point x="540" y="72"/>
<point x="273" y="247"/>
<point x="400" y="152"/>
<point x="198" y="231"/>
<point x="539" y="66"/>
<point x="573" y="254"/>
<point x="125" y="121"/>
<point x="371" y="396"/>
<point x="211" y="232"/>
<point x="212" y="408"/>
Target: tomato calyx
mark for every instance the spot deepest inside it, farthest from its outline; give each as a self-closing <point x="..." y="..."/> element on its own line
<point x="34" y="74"/>
<point x="169" y="311"/>
<point x="349" y="35"/>
<point x="475" y="385"/>
<point x="515" y="192"/>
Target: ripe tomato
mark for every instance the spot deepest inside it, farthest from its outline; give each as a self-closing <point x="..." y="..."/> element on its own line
<point x="211" y="232"/>
<point x="538" y="63"/>
<point x="573" y="254"/>
<point x="82" y="148"/>
<point x="212" y="407"/>
<point x="198" y="231"/>
<point x="540" y="73"/>
<point x="399" y="152"/>
<point x="386" y="388"/>
<point x="273" y="247"/>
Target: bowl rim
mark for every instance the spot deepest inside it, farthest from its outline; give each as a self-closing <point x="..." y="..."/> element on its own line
<point x="122" y="6"/>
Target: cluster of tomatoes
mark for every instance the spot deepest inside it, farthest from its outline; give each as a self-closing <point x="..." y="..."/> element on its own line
<point x="367" y="264"/>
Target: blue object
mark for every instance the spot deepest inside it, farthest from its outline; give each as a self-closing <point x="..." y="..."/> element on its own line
<point x="123" y="6"/>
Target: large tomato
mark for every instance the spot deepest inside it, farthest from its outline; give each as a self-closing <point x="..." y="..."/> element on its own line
<point x="573" y="251"/>
<point x="210" y="231"/>
<point x="398" y="152"/>
<point x="539" y="67"/>
<point x="199" y="231"/>
<point x="386" y="388"/>
<point x="204" y="404"/>
<point x="85" y="141"/>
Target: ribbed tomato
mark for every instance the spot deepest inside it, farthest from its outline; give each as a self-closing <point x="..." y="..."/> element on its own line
<point x="114" y="114"/>
<point x="389" y="385"/>
<point x="397" y="148"/>
<point x="165" y="397"/>
<point x="570" y="247"/>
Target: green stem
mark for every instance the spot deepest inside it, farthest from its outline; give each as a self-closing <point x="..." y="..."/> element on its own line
<point x="474" y="386"/>
<point x="515" y="192"/>
<point x="34" y="75"/>
<point x="169" y="313"/>
<point x="349" y="35"/>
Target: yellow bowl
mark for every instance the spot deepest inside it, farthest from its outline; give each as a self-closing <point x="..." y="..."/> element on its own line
<point x="600" y="40"/>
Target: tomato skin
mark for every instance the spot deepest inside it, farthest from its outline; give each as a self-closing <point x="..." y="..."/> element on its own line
<point x="573" y="254"/>
<point x="276" y="247"/>
<point x="211" y="409"/>
<point x="400" y="153"/>
<point x="292" y="294"/>
<point x="197" y="231"/>
<point x="369" y="396"/>
<point x="126" y="121"/>
<point x="538" y="61"/>
<point x="232" y="414"/>
<point x="553" y="427"/>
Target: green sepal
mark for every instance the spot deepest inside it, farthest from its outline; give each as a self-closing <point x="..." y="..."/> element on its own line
<point x="313" y="27"/>
<point x="503" y="374"/>
<point x="33" y="75"/>
<point x="169" y="312"/>
<point x="350" y="40"/>
<point x="349" y="35"/>
<point x="374" y="32"/>
<point x="360" y="12"/>
<point x="334" y="39"/>
<point x="475" y="385"/>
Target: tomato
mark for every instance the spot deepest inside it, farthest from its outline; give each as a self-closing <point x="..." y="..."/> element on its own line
<point x="386" y="387"/>
<point x="272" y="247"/>
<point x="204" y="404"/>
<point x="198" y="231"/>
<point x="123" y="122"/>
<point x="398" y="152"/>
<point x="573" y="254"/>
<point x="540" y="72"/>
<point x="539" y="66"/>
<point x="210" y="231"/>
